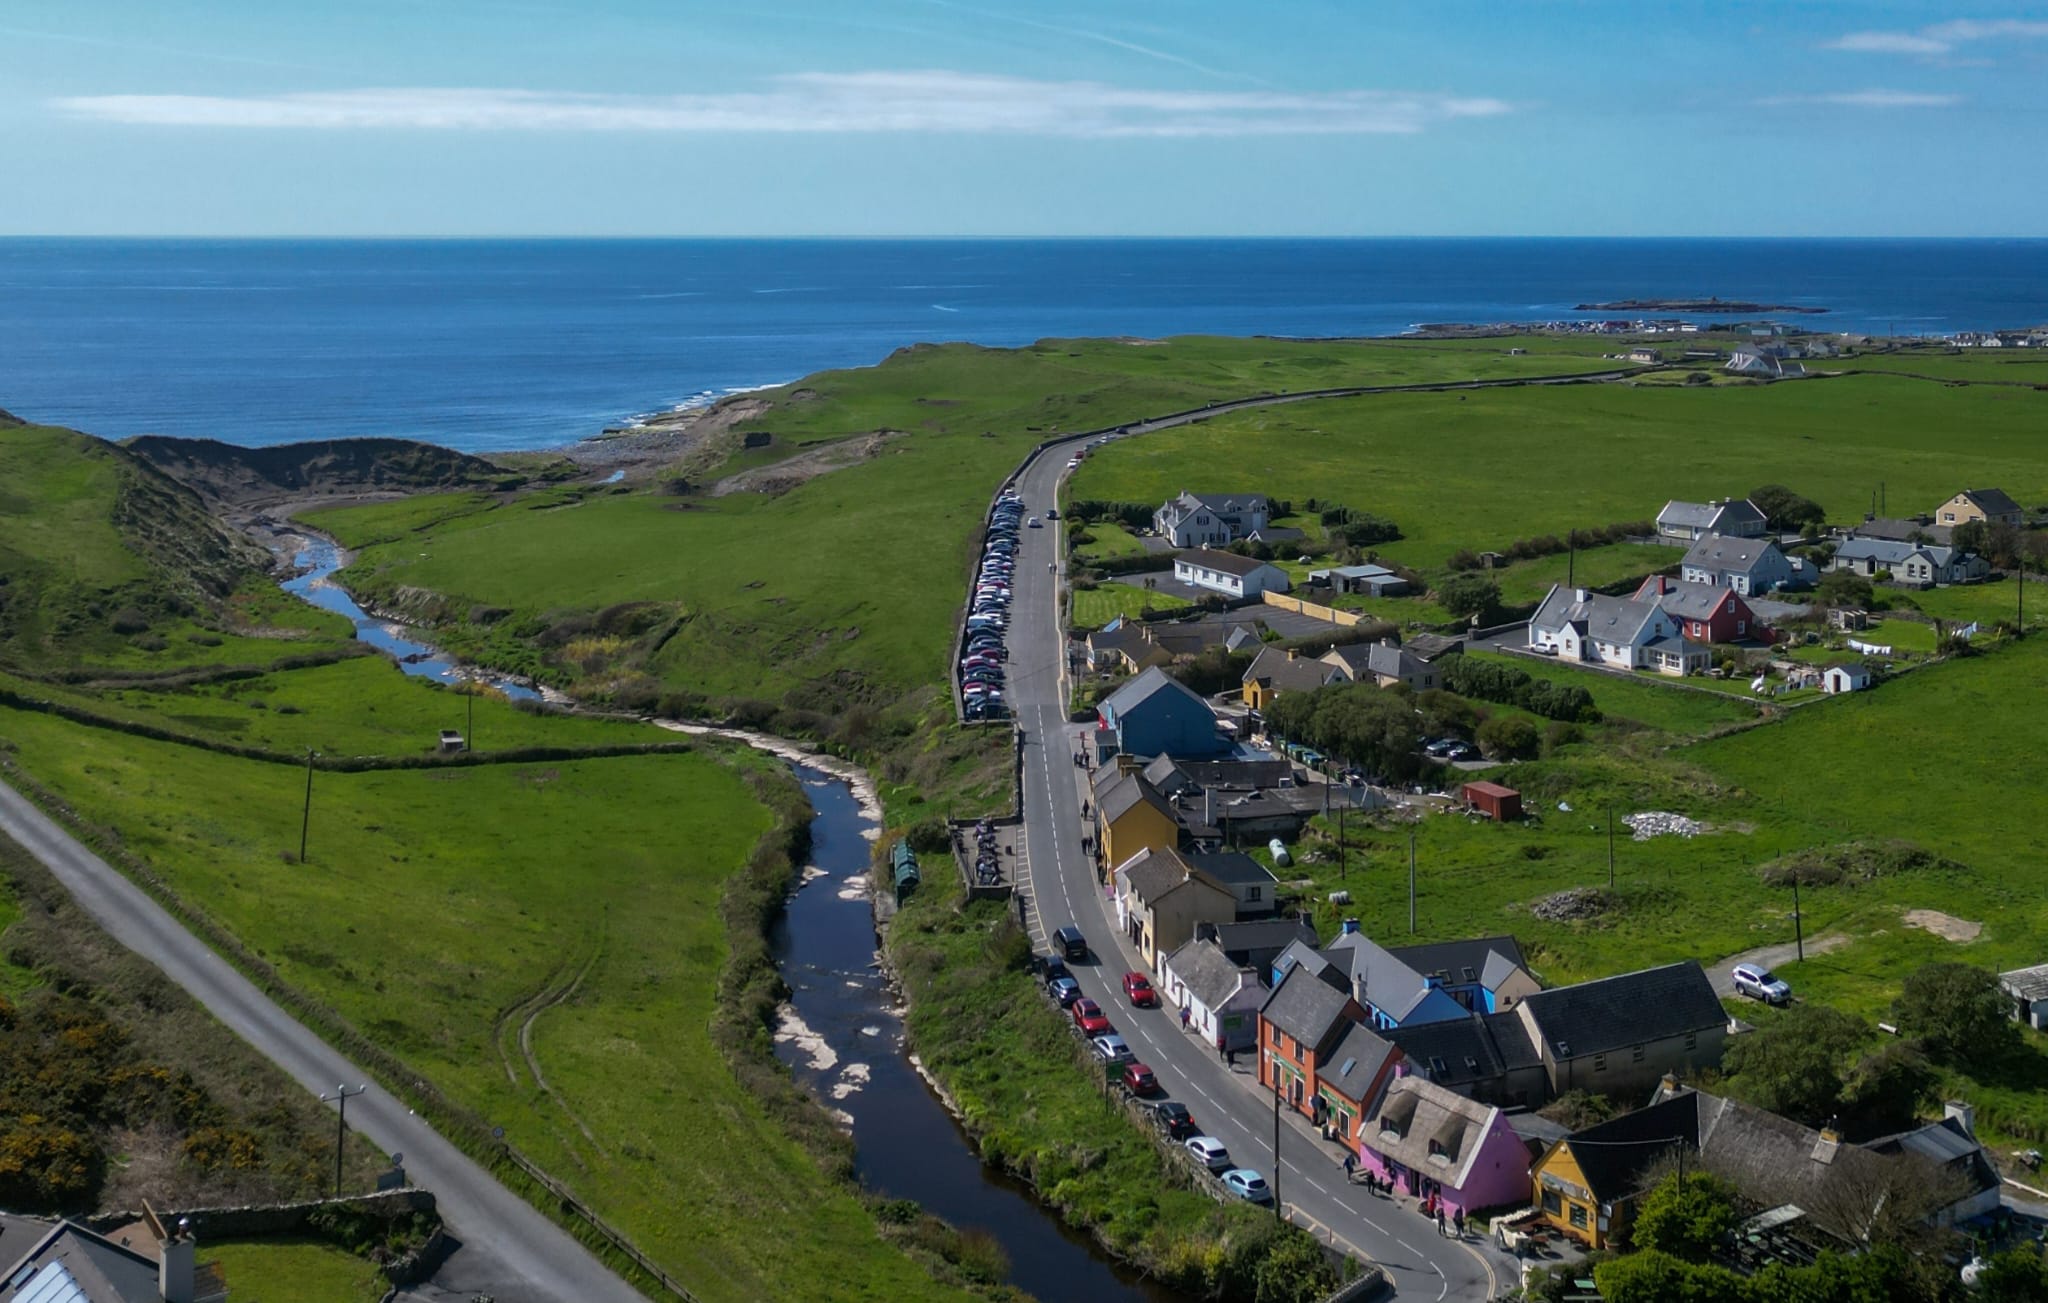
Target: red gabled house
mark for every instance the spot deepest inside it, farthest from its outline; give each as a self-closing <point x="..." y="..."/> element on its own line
<point x="1705" y="612"/>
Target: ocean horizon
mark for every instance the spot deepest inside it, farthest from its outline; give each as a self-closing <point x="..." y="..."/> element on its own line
<point x="500" y="344"/>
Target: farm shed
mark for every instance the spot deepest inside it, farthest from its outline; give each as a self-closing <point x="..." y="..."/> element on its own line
<point x="1494" y="801"/>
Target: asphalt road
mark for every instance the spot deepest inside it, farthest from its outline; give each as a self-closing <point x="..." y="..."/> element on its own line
<point x="1061" y="886"/>
<point x="506" y="1247"/>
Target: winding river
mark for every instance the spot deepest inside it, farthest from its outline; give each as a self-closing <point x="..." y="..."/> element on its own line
<point x="842" y="1032"/>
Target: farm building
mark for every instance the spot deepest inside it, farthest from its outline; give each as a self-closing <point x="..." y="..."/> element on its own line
<point x="1493" y="800"/>
<point x="1844" y="678"/>
<point x="2028" y="988"/>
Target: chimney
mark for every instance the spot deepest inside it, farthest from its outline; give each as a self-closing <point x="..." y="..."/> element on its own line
<point x="1582" y="594"/>
<point x="175" y="1264"/>
<point x="1963" y="1113"/>
<point x="1667" y="1088"/>
<point x="1350" y="927"/>
<point x="1208" y="807"/>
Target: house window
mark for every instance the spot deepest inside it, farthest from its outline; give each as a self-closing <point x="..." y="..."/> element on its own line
<point x="1254" y="893"/>
<point x="1435" y="1148"/>
<point x="1551" y="1203"/>
<point x="1740" y="625"/>
<point x="1578" y="1217"/>
<point x="1692" y="1040"/>
<point x="1599" y="1063"/>
<point x="1636" y="1055"/>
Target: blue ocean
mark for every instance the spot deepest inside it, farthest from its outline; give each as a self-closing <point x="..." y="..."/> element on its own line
<point x="485" y="345"/>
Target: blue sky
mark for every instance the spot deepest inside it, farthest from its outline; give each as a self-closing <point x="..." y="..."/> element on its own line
<point x="1111" y="117"/>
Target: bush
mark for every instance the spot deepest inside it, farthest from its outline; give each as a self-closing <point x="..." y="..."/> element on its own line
<point x="1509" y="737"/>
<point x="1958" y="1012"/>
<point x="1686" y="1221"/>
<point x="1467" y="595"/>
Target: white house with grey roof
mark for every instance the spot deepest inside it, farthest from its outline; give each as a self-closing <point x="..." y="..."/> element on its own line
<point x="1222" y="998"/>
<point x="1211" y="519"/>
<point x="1750" y="566"/>
<point x="1922" y="564"/>
<point x="1228" y="573"/>
<point x="1735" y="517"/>
<point x="1592" y="628"/>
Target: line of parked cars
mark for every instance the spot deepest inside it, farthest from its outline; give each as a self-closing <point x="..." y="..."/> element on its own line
<point x="988" y="619"/>
<point x="1090" y="1020"/>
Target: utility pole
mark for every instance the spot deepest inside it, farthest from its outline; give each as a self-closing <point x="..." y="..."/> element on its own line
<point x="306" y="815"/>
<point x="1276" y="1136"/>
<point x="1571" y="564"/>
<point x="1411" y="882"/>
<point x="1610" y="848"/>
<point x="469" y="732"/>
<point x="1343" y="851"/>
<point x="1798" y="920"/>
<point x="341" y="1097"/>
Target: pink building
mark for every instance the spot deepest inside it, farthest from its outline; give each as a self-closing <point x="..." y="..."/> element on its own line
<point x="1428" y="1140"/>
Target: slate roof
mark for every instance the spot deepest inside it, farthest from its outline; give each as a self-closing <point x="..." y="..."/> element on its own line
<point x="1774" y="1160"/>
<point x="1426" y="647"/>
<point x="1609" y="619"/>
<point x="1462" y="1052"/>
<point x="1619" y="1153"/>
<point x="1209" y="973"/>
<point x="1429" y="1129"/>
<point x="1722" y="553"/>
<point x="1992" y="502"/>
<point x="1152" y="873"/>
<point x="1231" y="868"/>
<point x="1683" y="601"/>
<point x="2027" y="983"/>
<point x="1229" y="563"/>
<point x="1121" y="794"/>
<point x="1379" y="979"/>
<point x="1947" y="1144"/>
<point x="1352" y="657"/>
<point x="1459" y="961"/>
<point x="1262" y="934"/>
<point x="1630" y="1009"/>
<point x="1236" y="773"/>
<point x="1355" y="1060"/>
<point x="1393" y="662"/>
<point x="1688" y="515"/>
<point x="1304" y="1008"/>
<point x="1143" y="688"/>
<point x="1883" y="551"/>
<point x="1223" y="503"/>
<point x="97" y="1269"/>
<point x="1285" y="673"/>
<point x="1900" y="531"/>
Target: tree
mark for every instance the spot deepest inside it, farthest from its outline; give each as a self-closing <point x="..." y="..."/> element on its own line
<point x="1444" y="712"/>
<point x="1784" y="509"/>
<point x="1467" y="595"/>
<point x="1883" y="1092"/>
<point x="1653" y="1277"/>
<point x="1791" y="1065"/>
<point x="2018" y="1275"/>
<point x="2003" y="543"/>
<point x="1958" y="1012"/>
<point x="1509" y="737"/>
<point x="1968" y="536"/>
<point x="1843" y="588"/>
<point x="1688" y="1220"/>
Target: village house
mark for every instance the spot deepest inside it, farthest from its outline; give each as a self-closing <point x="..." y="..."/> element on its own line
<point x="1385" y="662"/>
<point x="1588" y="1184"/>
<point x="1250" y="883"/>
<point x="1992" y="506"/>
<point x="1621" y="1034"/>
<point x="1704" y="613"/>
<point x="1762" y="361"/>
<point x="55" y="1260"/>
<point x="1125" y="646"/>
<point x="1155" y="714"/>
<point x="1690" y="521"/>
<point x="1370" y="580"/>
<point x="1909" y="529"/>
<point x="1430" y="983"/>
<point x="1130" y="816"/>
<point x="1837" y="679"/>
<point x="1361" y="1064"/>
<point x="1228" y="573"/>
<point x="1750" y="566"/>
<point x="1276" y="670"/>
<point x="1210" y="519"/>
<point x="2027" y="988"/>
<point x="1576" y="625"/>
<point x="1484" y="1056"/>
<point x="1645" y="354"/>
<point x="1174" y="777"/>
<point x="1920" y="565"/>
<point x="1222" y="997"/>
<point x="1950" y="1146"/>
<point x="1160" y="899"/>
<point x="1299" y="1026"/>
<point x="1256" y="943"/>
<point x="1430" y="1141"/>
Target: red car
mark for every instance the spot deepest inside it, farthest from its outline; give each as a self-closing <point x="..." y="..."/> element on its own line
<point x="1140" y="991"/>
<point x="1088" y="1016"/>
<point x="1138" y="1079"/>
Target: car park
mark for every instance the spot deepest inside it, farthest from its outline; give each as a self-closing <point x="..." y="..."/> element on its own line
<point x="1760" y="983"/>
<point x="1175" y="1120"/>
<point x="1138" y="990"/>
<point x="1248" y="1185"/>
<point x="1088" y="1016"/>
<point x="1111" y="1049"/>
<point x="1064" y="989"/>
<point x="1138" y="1079"/>
<point x="1211" y="1151"/>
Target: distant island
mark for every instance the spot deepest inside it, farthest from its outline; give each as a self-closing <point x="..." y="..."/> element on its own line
<point x="1690" y="305"/>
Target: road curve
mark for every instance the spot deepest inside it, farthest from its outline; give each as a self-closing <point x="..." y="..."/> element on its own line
<point x="507" y="1248"/>
<point x="1060" y="885"/>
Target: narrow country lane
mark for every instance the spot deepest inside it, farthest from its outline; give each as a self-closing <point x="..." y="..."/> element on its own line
<point x="507" y="1249"/>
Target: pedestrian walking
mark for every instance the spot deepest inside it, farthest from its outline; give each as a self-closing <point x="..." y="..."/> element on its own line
<point x="1459" y="1222"/>
<point x="1440" y="1222"/>
<point x="1183" y="1017"/>
<point x="1350" y="1166"/>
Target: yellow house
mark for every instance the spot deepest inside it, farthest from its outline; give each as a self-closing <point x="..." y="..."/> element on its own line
<point x="1160" y="899"/>
<point x="1274" y="671"/>
<point x="1130" y="816"/>
<point x="1992" y="506"/>
<point x="1587" y="1184"/>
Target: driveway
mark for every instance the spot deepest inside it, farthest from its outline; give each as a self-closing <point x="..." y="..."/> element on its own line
<point x="1773" y="957"/>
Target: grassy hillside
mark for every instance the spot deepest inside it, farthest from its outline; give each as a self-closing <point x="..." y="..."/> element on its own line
<point x="106" y="560"/>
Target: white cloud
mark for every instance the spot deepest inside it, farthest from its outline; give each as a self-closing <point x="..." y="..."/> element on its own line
<point x="1871" y="99"/>
<point x="1941" y="38"/>
<point x="933" y="101"/>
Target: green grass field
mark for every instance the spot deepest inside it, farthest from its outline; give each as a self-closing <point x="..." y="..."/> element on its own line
<point x="1095" y="607"/>
<point x="434" y="900"/>
<point x="294" y="1271"/>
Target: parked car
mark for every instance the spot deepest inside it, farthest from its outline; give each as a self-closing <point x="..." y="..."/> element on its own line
<point x="1051" y="966"/>
<point x="1211" y="1151"/>
<point x="1138" y="1079"/>
<point x="1138" y="990"/>
<point x="1760" y="983"/>
<point x="1033" y="522"/>
<point x="1088" y="1016"/>
<point x="1175" y="1120"/>
<point x="1072" y="944"/>
<point x="1112" y="1049"/>
<point x="1064" y="989"/>
<point x="1052" y="513"/>
<point x="1247" y="1185"/>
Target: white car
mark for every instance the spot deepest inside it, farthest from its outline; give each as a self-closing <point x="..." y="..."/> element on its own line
<point x="1211" y="1151"/>
<point x="1112" y="1049"/>
<point x="1760" y="983"/>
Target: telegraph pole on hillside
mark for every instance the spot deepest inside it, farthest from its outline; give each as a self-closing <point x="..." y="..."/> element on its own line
<point x="1276" y="1137"/>
<point x="1798" y="920"/>
<point x="1610" y="848"/>
<point x="306" y="815"/>
<point x="469" y="732"/>
<point x="341" y="1096"/>
<point x="1411" y="882"/>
